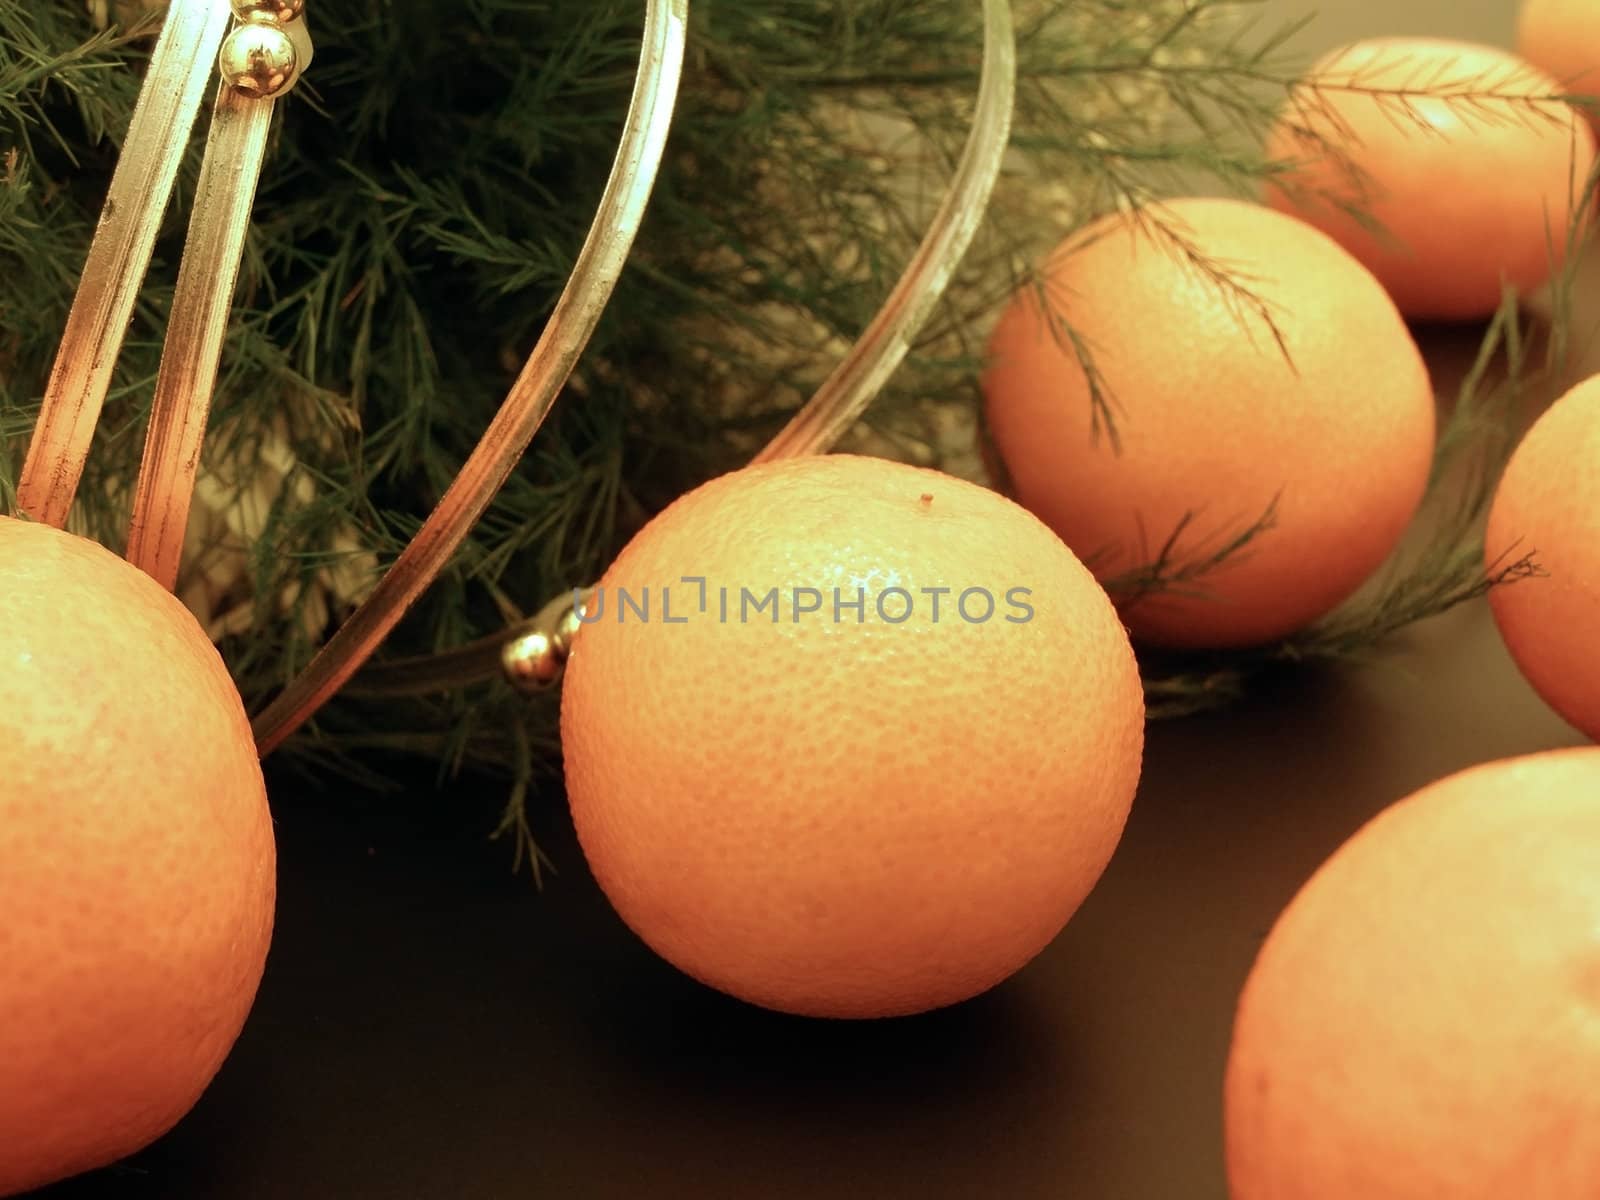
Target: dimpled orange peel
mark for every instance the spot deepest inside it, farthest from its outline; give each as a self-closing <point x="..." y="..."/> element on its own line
<point x="841" y="811"/>
<point x="1329" y="432"/>
<point x="136" y="858"/>
<point x="1548" y="506"/>
<point x="1423" y="1020"/>
<point x="1463" y="155"/>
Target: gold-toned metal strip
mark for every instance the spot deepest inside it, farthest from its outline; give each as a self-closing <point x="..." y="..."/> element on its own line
<point x="859" y="377"/>
<point x="198" y="324"/>
<point x="883" y="347"/>
<point x="163" y="120"/>
<point x="468" y="664"/>
<point x="601" y="261"/>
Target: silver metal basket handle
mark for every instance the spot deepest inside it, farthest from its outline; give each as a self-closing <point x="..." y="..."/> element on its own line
<point x="841" y="400"/>
<point x="142" y="186"/>
<point x="824" y="419"/>
<point x="567" y="333"/>
<point x="261" y="61"/>
<point x="119" y="256"/>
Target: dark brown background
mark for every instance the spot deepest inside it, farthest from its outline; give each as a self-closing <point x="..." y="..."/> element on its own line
<point x="429" y="1027"/>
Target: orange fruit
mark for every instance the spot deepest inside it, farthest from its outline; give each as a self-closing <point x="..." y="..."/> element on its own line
<point x="1216" y="423"/>
<point x="1548" y="505"/>
<point x="136" y="858"/>
<point x="1424" y="1019"/>
<point x="1562" y="38"/>
<point x="1469" y="194"/>
<point x="842" y="812"/>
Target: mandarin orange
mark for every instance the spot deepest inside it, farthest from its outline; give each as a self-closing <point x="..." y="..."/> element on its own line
<point x="1332" y="431"/>
<point x="871" y="746"/>
<point x="1463" y="155"/>
<point x="1548" y="505"/>
<point x="1424" y="1018"/>
<point x="136" y="858"/>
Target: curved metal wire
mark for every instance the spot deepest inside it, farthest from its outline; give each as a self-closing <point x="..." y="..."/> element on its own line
<point x="883" y="347"/>
<point x="863" y="372"/>
<point x="119" y="256"/>
<point x="198" y="323"/>
<point x="570" y="326"/>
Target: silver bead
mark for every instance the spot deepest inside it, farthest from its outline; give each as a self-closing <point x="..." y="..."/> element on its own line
<point x="532" y="662"/>
<point x="280" y="11"/>
<point x="259" y="59"/>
